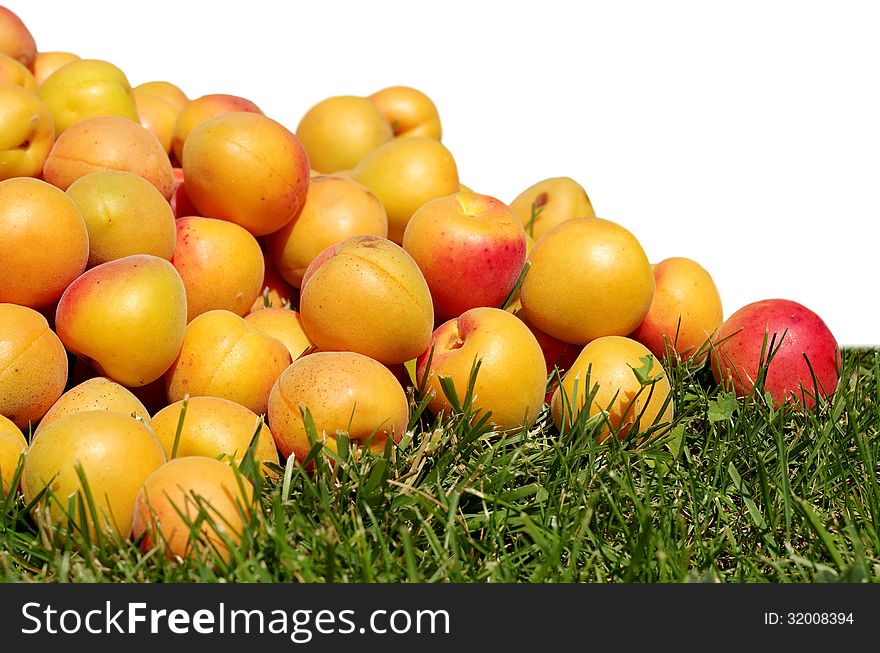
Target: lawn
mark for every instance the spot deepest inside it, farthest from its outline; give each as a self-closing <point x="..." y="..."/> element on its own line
<point x="736" y="491"/>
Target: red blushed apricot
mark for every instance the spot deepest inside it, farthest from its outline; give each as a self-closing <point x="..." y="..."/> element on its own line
<point x="335" y="209"/>
<point x="47" y="63"/>
<point x="108" y="143"/>
<point x="685" y="312"/>
<point x="343" y="391"/>
<point x="247" y="169"/>
<point x="512" y="378"/>
<point x="806" y="356"/>
<point x="203" y="108"/>
<point x="220" y="263"/>
<point x="128" y="316"/>
<point x="45" y="244"/>
<point x="471" y="249"/>
<point x="33" y="365"/>
<point x="224" y="356"/>
<point x="180" y="202"/>
<point x="15" y="38"/>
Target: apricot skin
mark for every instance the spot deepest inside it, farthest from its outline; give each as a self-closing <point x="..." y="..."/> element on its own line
<point x="188" y="491"/>
<point x="554" y="200"/>
<point x="221" y="265"/>
<point x="224" y="356"/>
<point x="404" y="174"/>
<point x="213" y="427"/>
<point x="335" y="209"/>
<point x="588" y="278"/>
<point x="33" y="365"/>
<point x="15" y="38"/>
<point x="610" y="362"/>
<point x="12" y="445"/>
<point x="366" y="294"/>
<point x="248" y="169"/>
<point x="512" y="378"/>
<point x="45" y="243"/>
<point x="685" y="311"/>
<point x="128" y="316"/>
<point x="203" y="108"/>
<point x="116" y="453"/>
<point x="342" y="391"/>
<point x="124" y="214"/>
<point x="108" y="143"/>
<point x="409" y="111"/>
<point x="98" y="393"/>
<point x="47" y="63"/>
<point x="285" y="325"/>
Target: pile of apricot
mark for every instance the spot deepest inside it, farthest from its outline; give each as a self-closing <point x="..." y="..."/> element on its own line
<point x="179" y="274"/>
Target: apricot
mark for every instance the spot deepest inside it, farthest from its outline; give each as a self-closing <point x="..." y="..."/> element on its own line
<point x="285" y="325"/>
<point x="127" y="316"/>
<point x="549" y="203"/>
<point x="45" y="244"/>
<point x="47" y="63"/>
<point x="805" y="361"/>
<point x="14" y="72"/>
<point x="179" y="200"/>
<point x="335" y="209"/>
<point x="221" y="265"/>
<point x="197" y="506"/>
<point x="98" y="393"/>
<point x="12" y="445"/>
<point x="340" y="131"/>
<point x="203" y="108"/>
<point x="404" y="174"/>
<point x="342" y="391"/>
<point x="213" y="427"/>
<point x="165" y="90"/>
<point x="15" y="38"/>
<point x="607" y="366"/>
<point x="248" y="169"/>
<point x="366" y="294"/>
<point x="224" y="356"/>
<point x="87" y="88"/>
<point x="685" y="311"/>
<point x="26" y="133"/>
<point x="409" y="111"/>
<point x="33" y="365"/>
<point x="116" y="454"/>
<point x="512" y="377"/>
<point x="471" y="249"/>
<point x="276" y="292"/>
<point x="588" y="278"/>
<point x="157" y="115"/>
<point x="124" y="215"/>
<point x="108" y="143"/>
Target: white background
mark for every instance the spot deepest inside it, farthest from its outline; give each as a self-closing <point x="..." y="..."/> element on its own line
<point x="743" y="135"/>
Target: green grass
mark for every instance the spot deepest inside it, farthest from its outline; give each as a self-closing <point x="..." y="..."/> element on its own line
<point x="736" y="492"/>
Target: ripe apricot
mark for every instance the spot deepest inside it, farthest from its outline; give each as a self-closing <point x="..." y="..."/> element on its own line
<point x="15" y="38"/>
<point x="195" y="112"/>
<point x="98" y="393"/>
<point x="47" y="63"/>
<point x="335" y="209"/>
<point x="551" y="202"/>
<point x="108" y="143"/>
<point x="248" y="169"/>
<point x="221" y="265"/>
<point x="26" y="133"/>
<point x="45" y="244"/>
<point x="342" y="391"/>
<point x="12" y="445"/>
<point x="285" y="325"/>
<point x="124" y="214"/>
<point x="409" y="111"/>
<point x="14" y="72"/>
